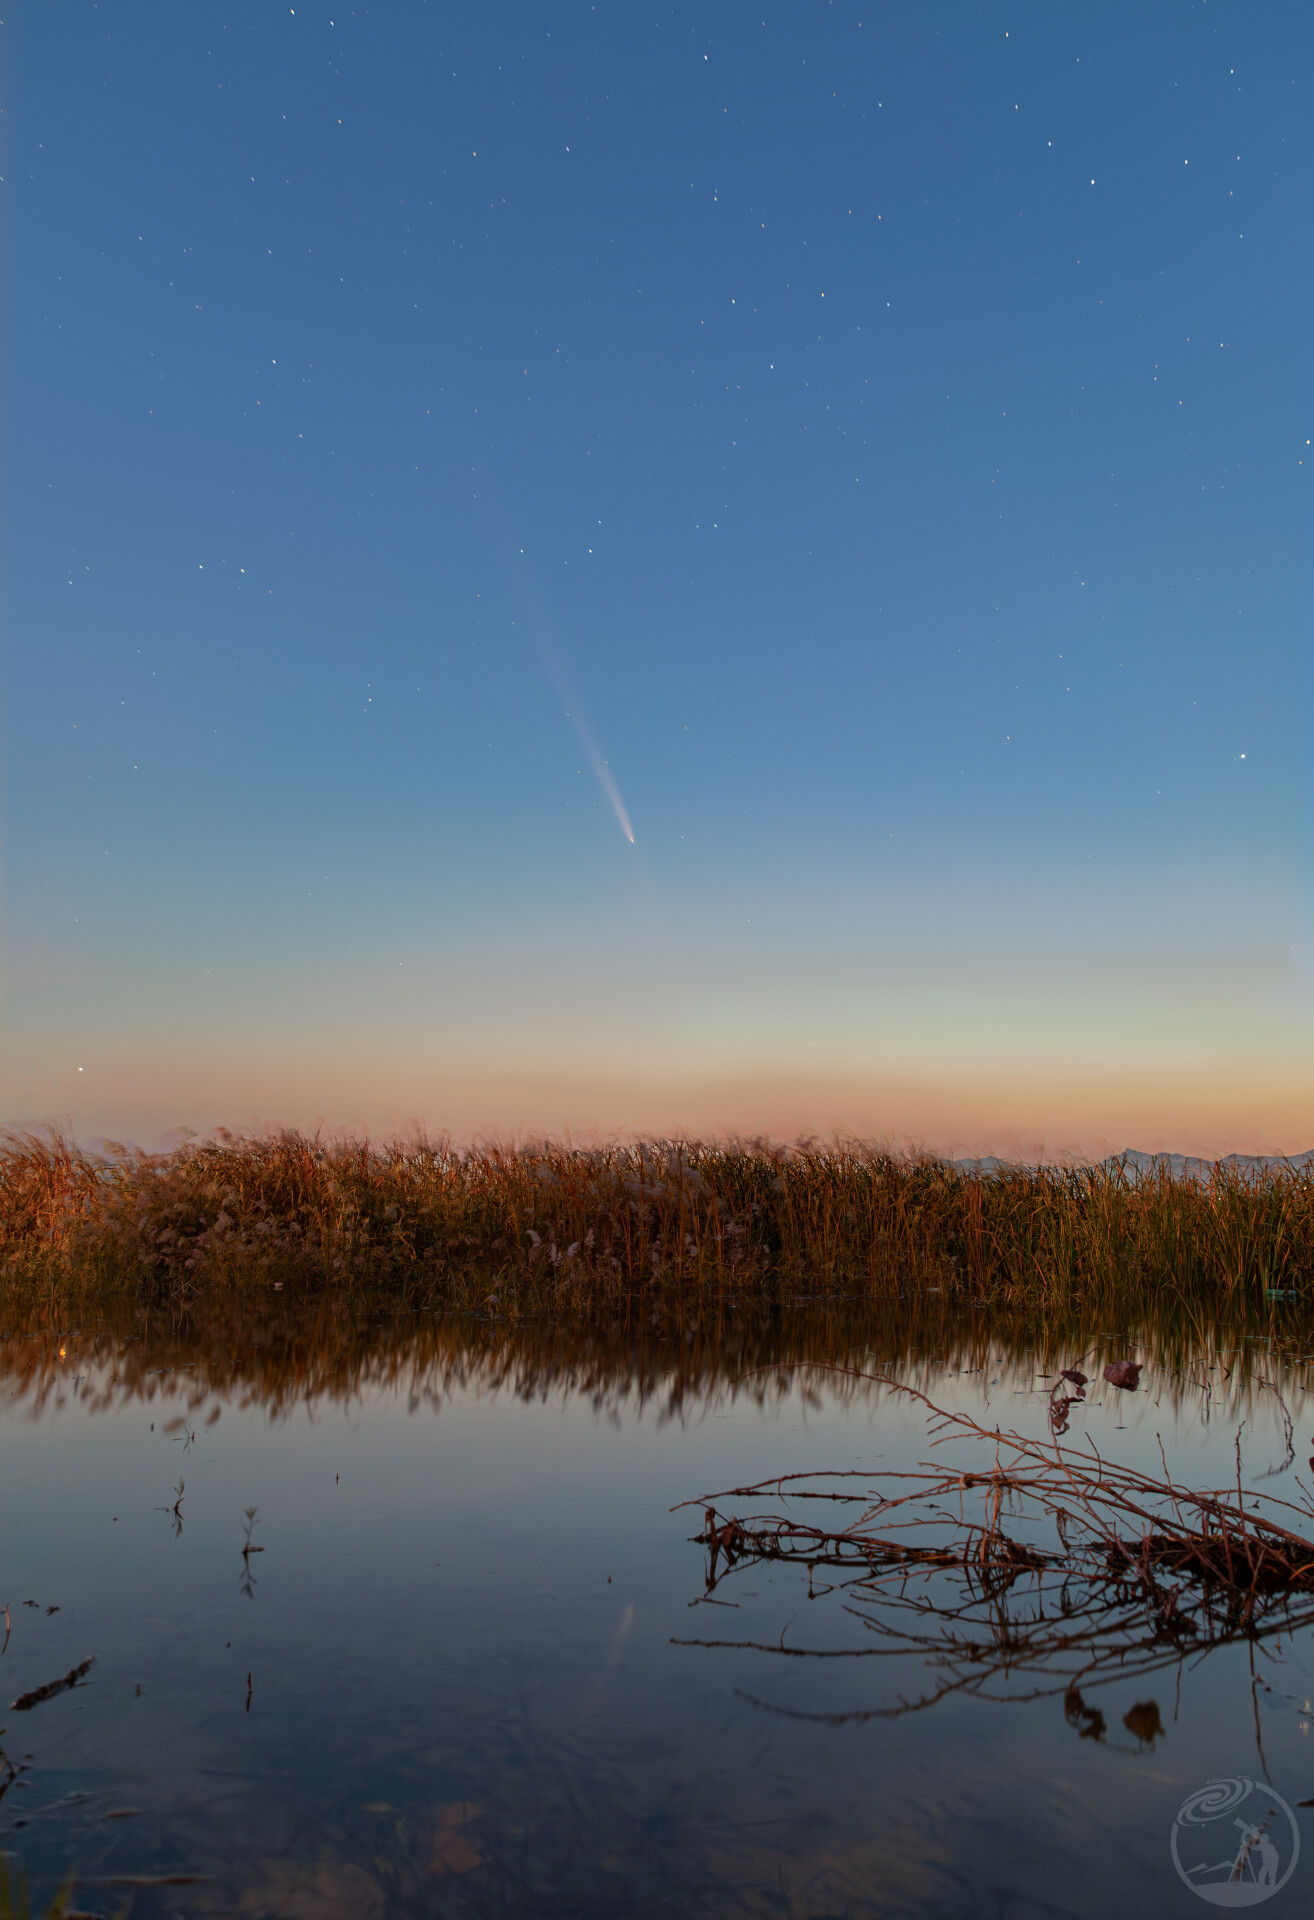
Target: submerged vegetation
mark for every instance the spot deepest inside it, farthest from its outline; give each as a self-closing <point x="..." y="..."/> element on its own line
<point x="549" y="1228"/>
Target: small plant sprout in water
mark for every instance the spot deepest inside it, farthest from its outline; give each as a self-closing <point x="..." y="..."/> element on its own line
<point x="176" y="1508"/>
<point x="249" y="1522"/>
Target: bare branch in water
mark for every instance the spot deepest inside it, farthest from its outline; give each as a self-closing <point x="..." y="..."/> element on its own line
<point x="26" y="1701"/>
<point x="1105" y="1572"/>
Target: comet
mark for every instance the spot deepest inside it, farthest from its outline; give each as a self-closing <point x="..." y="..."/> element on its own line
<point x="539" y="631"/>
<point x="594" y="755"/>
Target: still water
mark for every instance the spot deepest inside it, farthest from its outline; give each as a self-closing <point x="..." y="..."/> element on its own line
<point x="464" y="1668"/>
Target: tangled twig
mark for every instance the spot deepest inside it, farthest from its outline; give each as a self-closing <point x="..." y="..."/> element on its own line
<point x="1101" y="1569"/>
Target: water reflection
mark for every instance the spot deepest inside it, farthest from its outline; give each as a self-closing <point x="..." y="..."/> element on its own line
<point x="420" y="1642"/>
<point x="280" y="1354"/>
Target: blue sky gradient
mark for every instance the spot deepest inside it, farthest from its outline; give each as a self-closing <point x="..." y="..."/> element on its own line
<point x="881" y="436"/>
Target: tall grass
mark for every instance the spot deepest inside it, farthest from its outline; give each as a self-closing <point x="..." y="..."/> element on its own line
<point x="548" y="1227"/>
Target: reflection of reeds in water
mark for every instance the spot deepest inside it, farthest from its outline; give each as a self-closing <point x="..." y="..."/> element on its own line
<point x="280" y="1352"/>
<point x="1037" y="1569"/>
<point x="549" y="1227"/>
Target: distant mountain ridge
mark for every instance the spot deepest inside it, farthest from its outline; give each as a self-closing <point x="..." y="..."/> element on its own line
<point x="1189" y="1166"/>
<point x="1179" y="1166"/>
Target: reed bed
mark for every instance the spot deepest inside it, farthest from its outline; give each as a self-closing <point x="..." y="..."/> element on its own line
<point x="1038" y="1568"/>
<point x="549" y="1227"/>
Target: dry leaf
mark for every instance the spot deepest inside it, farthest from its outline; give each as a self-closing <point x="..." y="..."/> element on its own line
<point x="452" y="1851"/>
<point x="287" y="1890"/>
<point x="1143" y="1720"/>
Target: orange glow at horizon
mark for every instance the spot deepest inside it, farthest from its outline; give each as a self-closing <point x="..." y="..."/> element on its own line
<point x="1061" y="1116"/>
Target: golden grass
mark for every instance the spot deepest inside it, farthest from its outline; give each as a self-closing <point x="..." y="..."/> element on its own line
<point x="549" y="1228"/>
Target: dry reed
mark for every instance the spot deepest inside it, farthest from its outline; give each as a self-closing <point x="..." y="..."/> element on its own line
<point x="548" y="1227"/>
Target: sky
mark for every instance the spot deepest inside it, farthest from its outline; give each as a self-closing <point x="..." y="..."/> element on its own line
<point x="607" y="569"/>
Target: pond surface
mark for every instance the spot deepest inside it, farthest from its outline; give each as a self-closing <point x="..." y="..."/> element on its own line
<point x="465" y="1667"/>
